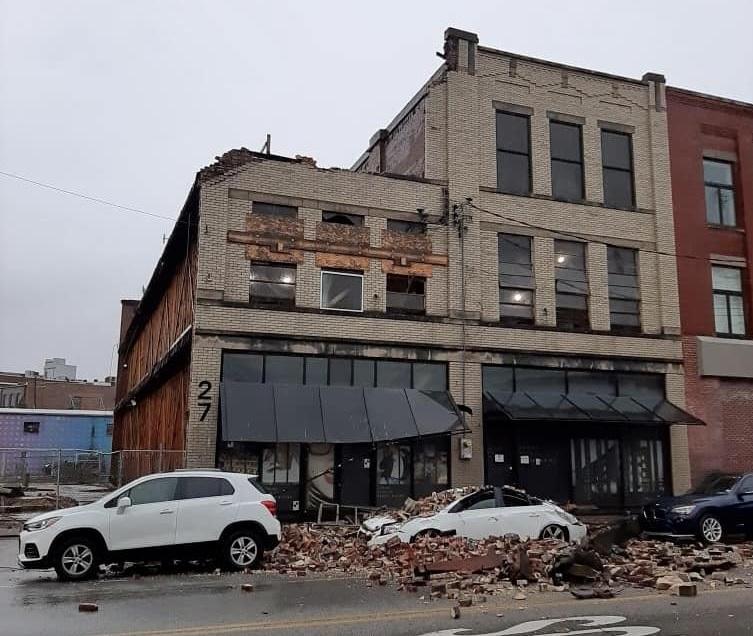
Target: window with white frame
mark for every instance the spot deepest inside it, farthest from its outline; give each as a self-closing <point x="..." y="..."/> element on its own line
<point x="729" y="312"/>
<point x="342" y="291"/>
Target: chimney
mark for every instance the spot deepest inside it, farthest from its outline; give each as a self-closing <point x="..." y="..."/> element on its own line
<point x="657" y="84"/>
<point x="460" y="50"/>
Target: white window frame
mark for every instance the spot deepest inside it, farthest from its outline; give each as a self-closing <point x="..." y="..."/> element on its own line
<point x="336" y="273"/>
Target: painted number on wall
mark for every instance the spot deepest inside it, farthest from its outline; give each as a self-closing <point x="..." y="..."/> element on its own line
<point x="204" y="400"/>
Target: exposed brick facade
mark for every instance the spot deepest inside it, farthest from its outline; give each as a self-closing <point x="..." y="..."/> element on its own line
<point x="701" y="126"/>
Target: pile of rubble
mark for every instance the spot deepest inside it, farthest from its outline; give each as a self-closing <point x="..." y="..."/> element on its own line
<point x="454" y="567"/>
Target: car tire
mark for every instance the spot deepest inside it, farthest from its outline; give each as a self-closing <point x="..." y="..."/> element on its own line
<point x="710" y="529"/>
<point x="77" y="558"/>
<point x="241" y="549"/>
<point x="554" y="531"/>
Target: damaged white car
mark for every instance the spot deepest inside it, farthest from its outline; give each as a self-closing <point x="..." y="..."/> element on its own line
<point x="489" y="512"/>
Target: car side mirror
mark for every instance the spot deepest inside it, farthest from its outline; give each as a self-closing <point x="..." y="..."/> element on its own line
<point x="124" y="502"/>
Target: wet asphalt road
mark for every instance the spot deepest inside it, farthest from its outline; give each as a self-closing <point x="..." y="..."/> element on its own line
<point x="202" y="603"/>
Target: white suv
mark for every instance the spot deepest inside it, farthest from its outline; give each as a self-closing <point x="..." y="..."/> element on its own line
<point x="178" y="515"/>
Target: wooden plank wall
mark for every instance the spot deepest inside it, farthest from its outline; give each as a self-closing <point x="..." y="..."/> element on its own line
<point x="170" y="318"/>
<point x="158" y="420"/>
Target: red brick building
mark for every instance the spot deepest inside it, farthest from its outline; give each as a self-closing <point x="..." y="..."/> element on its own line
<point x="711" y="152"/>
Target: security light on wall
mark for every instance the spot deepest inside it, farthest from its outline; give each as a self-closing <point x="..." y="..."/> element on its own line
<point x="561" y="258"/>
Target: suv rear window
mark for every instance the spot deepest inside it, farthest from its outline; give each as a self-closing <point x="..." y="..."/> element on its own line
<point x="256" y="484"/>
<point x="200" y="487"/>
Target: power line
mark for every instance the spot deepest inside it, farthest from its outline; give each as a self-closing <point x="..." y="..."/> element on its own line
<point x="80" y="195"/>
<point x="580" y="237"/>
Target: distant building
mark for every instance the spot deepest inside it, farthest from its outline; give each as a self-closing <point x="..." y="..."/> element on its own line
<point x="31" y="391"/>
<point x="57" y="369"/>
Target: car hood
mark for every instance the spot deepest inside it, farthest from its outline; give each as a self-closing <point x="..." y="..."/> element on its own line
<point x="63" y="512"/>
<point x="682" y="500"/>
<point x="375" y="524"/>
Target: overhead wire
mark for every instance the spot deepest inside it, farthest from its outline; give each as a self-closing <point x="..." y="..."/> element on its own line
<point x="80" y="195"/>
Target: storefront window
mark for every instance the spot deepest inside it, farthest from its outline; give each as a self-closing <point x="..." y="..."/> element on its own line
<point x="393" y="474"/>
<point x="316" y="371"/>
<point x="429" y="377"/>
<point x="281" y="464"/>
<point x="594" y="382"/>
<point x="393" y="374"/>
<point x="539" y="380"/>
<point x="340" y="372"/>
<point x="243" y="367"/>
<point x="284" y="370"/>
<point x="498" y="379"/>
<point x="430" y="466"/>
<point x="363" y="373"/>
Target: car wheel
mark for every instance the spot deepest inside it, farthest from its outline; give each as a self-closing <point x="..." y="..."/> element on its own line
<point x="710" y="529"/>
<point x="241" y="549"/>
<point x="76" y="559"/>
<point x="553" y="531"/>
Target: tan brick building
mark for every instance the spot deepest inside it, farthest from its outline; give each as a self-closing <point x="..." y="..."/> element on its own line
<point x="504" y="244"/>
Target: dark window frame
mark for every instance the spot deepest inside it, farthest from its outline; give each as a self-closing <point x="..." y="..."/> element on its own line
<point x="504" y="287"/>
<point x="411" y="282"/>
<point x="351" y="359"/>
<point x="718" y="186"/>
<point x="274" y="209"/>
<point x="613" y="295"/>
<point x="571" y="318"/>
<point x="417" y="228"/>
<point x="579" y="162"/>
<point x="500" y="151"/>
<point x="273" y="300"/>
<point x="727" y="294"/>
<point x="343" y="218"/>
<point x="630" y="171"/>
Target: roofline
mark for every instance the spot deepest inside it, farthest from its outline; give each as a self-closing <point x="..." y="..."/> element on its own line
<point x="74" y="412"/>
<point x="402" y="114"/>
<point x="708" y="96"/>
<point x="567" y="67"/>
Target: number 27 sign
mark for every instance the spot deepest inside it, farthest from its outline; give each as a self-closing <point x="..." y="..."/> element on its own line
<point x="204" y="400"/>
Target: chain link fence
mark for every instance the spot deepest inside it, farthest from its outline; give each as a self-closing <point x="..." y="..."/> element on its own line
<point x="79" y="474"/>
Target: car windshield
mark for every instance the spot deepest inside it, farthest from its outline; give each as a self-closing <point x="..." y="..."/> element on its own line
<point x="714" y="484"/>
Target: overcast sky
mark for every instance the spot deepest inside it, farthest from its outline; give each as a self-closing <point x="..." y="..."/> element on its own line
<point x="125" y="101"/>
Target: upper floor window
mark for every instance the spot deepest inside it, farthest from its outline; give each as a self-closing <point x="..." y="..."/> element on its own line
<point x="571" y="285"/>
<point x="624" y="289"/>
<point x="566" y="145"/>
<point x="720" y="192"/>
<point x="272" y="209"/>
<point x="272" y="283"/>
<point x="342" y="291"/>
<point x="729" y="312"/>
<point x="406" y="227"/>
<point x="513" y="153"/>
<point x="406" y="294"/>
<point x="516" y="281"/>
<point x="342" y="218"/>
<point x="617" y="167"/>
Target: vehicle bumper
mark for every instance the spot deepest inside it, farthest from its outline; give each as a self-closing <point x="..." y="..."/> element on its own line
<point x="577" y="532"/>
<point x="381" y="539"/>
<point x="673" y="526"/>
<point x="33" y="548"/>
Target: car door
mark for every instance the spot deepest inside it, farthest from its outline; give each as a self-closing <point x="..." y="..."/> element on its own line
<point x="207" y="506"/>
<point x="149" y="521"/>
<point x="475" y="518"/>
<point x="743" y="506"/>
<point x="518" y="516"/>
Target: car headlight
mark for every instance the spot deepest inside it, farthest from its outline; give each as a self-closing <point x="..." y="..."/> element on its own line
<point x="683" y="510"/>
<point x="42" y="524"/>
<point x="567" y="517"/>
<point x="389" y="528"/>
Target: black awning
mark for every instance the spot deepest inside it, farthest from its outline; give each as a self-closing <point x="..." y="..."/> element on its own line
<point x="253" y="412"/>
<point x="584" y="407"/>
